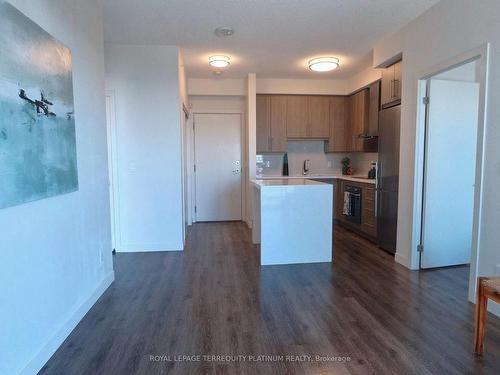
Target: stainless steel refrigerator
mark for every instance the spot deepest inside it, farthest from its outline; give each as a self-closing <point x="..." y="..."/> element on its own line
<point x="388" y="177"/>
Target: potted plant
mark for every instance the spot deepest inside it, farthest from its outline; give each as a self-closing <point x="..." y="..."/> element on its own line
<point x="346" y="166"/>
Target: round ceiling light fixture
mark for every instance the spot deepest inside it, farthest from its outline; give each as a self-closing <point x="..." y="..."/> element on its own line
<point x="219" y="61"/>
<point x="324" y="64"/>
<point x="224" y="31"/>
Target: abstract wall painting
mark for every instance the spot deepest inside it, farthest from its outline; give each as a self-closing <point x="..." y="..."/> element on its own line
<point x="37" y="124"/>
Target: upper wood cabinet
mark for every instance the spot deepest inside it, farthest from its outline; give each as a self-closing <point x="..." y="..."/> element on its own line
<point x="278" y="123"/>
<point x="359" y="118"/>
<point x="374" y="109"/>
<point x="271" y="123"/>
<point x="263" y="123"/>
<point x="391" y="85"/>
<point x="319" y="116"/>
<point x="308" y="116"/>
<point x="344" y="121"/>
<point x="353" y="119"/>
<point x="339" y="138"/>
<point x="397" y="79"/>
<point x="297" y="116"/>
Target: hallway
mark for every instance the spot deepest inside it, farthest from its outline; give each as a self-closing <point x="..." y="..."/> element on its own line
<point x="215" y="299"/>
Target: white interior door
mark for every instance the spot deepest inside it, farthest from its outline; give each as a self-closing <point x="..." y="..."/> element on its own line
<point x="218" y="167"/>
<point x="450" y="167"/>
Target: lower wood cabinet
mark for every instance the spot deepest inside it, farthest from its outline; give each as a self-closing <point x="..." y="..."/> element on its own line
<point x="368" y="214"/>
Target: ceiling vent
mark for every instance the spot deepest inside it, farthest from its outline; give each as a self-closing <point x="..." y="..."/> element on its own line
<point x="224" y="31"/>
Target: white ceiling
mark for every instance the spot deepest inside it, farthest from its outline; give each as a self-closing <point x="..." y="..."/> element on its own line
<point x="273" y="38"/>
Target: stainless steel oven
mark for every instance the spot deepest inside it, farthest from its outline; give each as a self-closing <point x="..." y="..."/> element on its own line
<point x="352" y="203"/>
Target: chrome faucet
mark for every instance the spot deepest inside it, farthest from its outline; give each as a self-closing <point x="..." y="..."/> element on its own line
<point x="305" y="167"/>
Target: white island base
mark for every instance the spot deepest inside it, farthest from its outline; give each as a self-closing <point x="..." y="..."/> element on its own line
<point x="292" y="221"/>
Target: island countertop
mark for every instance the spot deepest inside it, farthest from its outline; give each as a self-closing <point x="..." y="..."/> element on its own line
<point x="354" y="178"/>
<point x="285" y="182"/>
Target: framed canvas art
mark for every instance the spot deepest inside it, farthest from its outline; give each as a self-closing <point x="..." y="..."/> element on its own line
<point x="37" y="122"/>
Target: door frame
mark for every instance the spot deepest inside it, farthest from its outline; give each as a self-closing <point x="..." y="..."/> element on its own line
<point x="113" y="185"/>
<point x="193" y="159"/>
<point x="184" y="158"/>
<point x="481" y="56"/>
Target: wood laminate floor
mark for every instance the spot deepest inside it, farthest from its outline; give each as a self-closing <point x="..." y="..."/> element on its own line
<point x="215" y="299"/>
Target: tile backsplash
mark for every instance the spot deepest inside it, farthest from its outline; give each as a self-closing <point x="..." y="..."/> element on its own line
<point x="320" y="163"/>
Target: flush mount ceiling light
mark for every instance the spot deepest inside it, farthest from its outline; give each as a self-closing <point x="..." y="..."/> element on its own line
<point x="323" y="64"/>
<point x="224" y="31"/>
<point x="219" y="61"/>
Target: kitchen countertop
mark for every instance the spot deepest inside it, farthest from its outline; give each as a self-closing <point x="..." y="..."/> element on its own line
<point x="320" y="177"/>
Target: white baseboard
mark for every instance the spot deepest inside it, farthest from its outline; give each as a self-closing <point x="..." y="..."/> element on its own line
<point x="142" y="250"/>
<point x="148" y="247"/>
<point x="39" y="360"/>
<point x="401" y="259"/>
<point x="249" y="224"/>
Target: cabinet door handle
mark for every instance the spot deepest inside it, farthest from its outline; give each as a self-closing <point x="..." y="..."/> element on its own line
<point x="392" y="88"/>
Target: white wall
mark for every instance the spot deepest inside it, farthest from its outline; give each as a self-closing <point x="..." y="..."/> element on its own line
<point x="301" y="86"/>
<point x="318" y="86"/>
<point x="450" y="28"/>
<point x="363" y="78"/>
<point x="238" y="87"/>
<point x="217" y="86"/>
<point x="145" y="82"/>
<point x="50" y="249"/>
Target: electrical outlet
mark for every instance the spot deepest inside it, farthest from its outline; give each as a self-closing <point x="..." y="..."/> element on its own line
<point x="329" y="163"/>
<point x="498" y="270"/>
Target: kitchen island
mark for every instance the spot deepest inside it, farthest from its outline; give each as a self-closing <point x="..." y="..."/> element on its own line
<point x="292" y="220"/>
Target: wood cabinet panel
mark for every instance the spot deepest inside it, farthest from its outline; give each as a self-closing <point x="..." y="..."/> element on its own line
<point x="368" y="217"/>
<point x="387" y="95"/>
<point x="391" y="85"/>
<point x="319" y="116"/>
<point x="337" y="140"/>
<point x="397" y="81"/>
<point x="358" y="118"/>
<point x="263" y="124"/>
<point x="278" y="107"/>
<point x="374" y="108"/>
<point x="297" y="116"/>
<point x="339" y="199"/>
